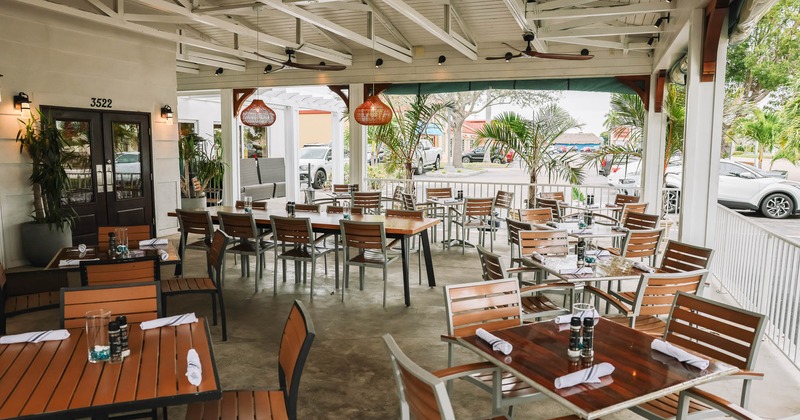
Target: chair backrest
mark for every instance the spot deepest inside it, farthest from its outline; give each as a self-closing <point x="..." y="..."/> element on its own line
<point x="422" y="395"/>
<point x="726" y="333"/>
<point x="504" y="200"/>
<point x="621" y="199"/>
<point x="656" y="291"/>
<point x="363" y="235"/>
<point x="216" y="255"/>
<point x="293" y="230"/>
<point x="120" y="271"/>
<point x="514" y="227"/>
<point x="553" y="195"/>
<point x="197" y="222"/>
<point x="680" y="257"/>
<point x="539" y="215"/>
<point x="308" y="208"/>
<point x="344" y="188"/>
<point x="546" y="242"/>
<point x="398" y="192"/>
<point x="476" y="207"/>
<point x="491" y="265"/>
<point x="257" y="205"/>
<point x="438" y="193"/>
<point x="552" y="205"/>
<point x="340" y="209"/>
<point x="491" y="305"/>
<point x="409" y="201"/>
<point x="632" y="208"/>
<point x="642" y="243"/>
<point x="135" y="234"/>
<point x="405" y="214"/>
<point x="635" y="220"/>
<point x="298" y="335"/>
<point x="369" y="200"/>
<point x="238" y="225"/>
<point x="138" y="302"/>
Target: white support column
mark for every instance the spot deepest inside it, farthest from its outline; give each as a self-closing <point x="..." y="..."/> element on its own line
<point x="358" y="138"/>
<point x="337" y="147"/>
<point x="703" y="135"/>
<point x="230" y="151"/>
<point x="653" y="151"/>
<point x="292" y="141"/>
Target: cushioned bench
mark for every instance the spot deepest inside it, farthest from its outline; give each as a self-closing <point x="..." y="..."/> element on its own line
<point x="263" y="178"/>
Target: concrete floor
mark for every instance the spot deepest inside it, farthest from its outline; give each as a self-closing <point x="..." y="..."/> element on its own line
<point x="348" y="373"/>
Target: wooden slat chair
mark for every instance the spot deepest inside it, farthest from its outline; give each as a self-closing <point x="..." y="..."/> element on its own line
<point x="652" y="300"/>
<point x="135" y="234"/>
<point x="396" y="200"/>
<point x="716" y="402"/>
<point x="344" y="188"/>
<point x="414" y="244"/>
<point x="622" y="215"/>
<point x="370" y="201"/>
<point x="477" y="214"/>
<point x="257" y="205"/>
<point x="296" y="233"/>
<point x="369" y="238"/>
<point x="120" y="271"/>
<point x="729" y="334"/>
<point x="340" y="210"/>
<point x="621" y="199"/>
<point x="553" y="195"/>
<point x="193" y="222"/>
<point x="514" y="227"/>
<point x="635" y="220"/>
<point x="554" y="242"/>
<point x="535" y="304"/>
<point x="538" y="215"/>
<point x="306" y="208"/>
<point x="438" y="212"/>
<point x="679" y="257"/>
<point x="423" y="394"/>
<point x="29" y="291"/>
<point x="276" y="404"/>
<point x="504" y="200"/>
<point x="137" y="301"/>
<point x="492" y="305"/>
<point x="642" y="244"/>
<point x="249" y="240"/>
<point x="208" y="285"/>
<point x="556" y="212"/>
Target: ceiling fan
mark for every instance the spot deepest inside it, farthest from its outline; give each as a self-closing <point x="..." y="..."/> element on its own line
<point x="322" y="66"/>
<point x="529" y="52"/>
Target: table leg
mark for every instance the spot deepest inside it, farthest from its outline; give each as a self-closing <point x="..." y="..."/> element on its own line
<point x="406" y="269"/>
<point x="426" y="249"/>
<point x="181" y="252"/>
<point x="336" y="259"/>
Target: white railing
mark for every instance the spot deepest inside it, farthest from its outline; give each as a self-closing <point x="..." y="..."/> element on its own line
<point x="760" y="269"/>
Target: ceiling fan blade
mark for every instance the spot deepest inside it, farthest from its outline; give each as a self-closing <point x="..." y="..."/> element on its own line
<point x="326" y="67"/>
<point x="555" y="56"/>
<point x="512" y="47"/>
<point x="504" y="57"/>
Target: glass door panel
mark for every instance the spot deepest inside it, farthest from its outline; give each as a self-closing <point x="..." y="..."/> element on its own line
<point x="127" y="160"/>
<point x="79" y="168"/>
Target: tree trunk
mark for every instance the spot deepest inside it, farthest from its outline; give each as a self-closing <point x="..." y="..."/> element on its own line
<point x="38" y="202"/>
<point x="458" y="143"/>
<point x="409" y="170"/>
<point x="668" y="146"/>
<point x="760" y="156"/>
<point x="532" y="189"/>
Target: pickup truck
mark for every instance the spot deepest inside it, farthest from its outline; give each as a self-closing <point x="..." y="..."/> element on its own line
<point x="426" y="155"/>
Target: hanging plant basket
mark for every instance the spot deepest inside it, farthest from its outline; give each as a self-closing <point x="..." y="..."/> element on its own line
<point x="258" y="114"/>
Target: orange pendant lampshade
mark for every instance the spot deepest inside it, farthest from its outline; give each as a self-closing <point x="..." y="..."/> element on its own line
<point x="373" y="112"/>
<point x="258" y="114"/>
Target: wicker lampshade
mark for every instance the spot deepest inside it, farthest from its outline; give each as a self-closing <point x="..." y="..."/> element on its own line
<point x="258" y="114"/>
<point x="373" y="112"/>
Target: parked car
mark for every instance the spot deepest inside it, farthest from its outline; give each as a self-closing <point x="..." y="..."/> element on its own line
<point x="426" y="156"/>
<point x="317" y="161"/>
<point x="477" y="154"/>
<point x="127" y="163"/>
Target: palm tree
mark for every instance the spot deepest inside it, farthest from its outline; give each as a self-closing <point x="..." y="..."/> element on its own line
<point x="675" y="109"/>
<point x="766" y="129"/>
<point x="627" y="110"/>
<point x="531" y="139"/>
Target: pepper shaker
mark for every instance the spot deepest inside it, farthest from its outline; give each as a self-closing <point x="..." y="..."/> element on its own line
<point x="112" y="244"/>
<point x="574" y="337"/>
<point x="122" y="321"/>
<point x="587" y="352"/>
<point x="115" y="342"/>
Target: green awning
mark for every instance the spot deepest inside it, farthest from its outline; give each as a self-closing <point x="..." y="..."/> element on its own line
<point x="589" y="84"/>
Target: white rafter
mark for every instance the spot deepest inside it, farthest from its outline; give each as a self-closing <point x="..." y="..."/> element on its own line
<point x="557" y="4"/>
<point x="589" y="42"/>
<point x="577" y="23"/>
<point x="460" y="44"/>
<point x="630" y="9"/>
<point x="604" y="31"/>
<point x="387" y="24"/>
<point x="184" y="67"/>
<point x="517" y="9"/>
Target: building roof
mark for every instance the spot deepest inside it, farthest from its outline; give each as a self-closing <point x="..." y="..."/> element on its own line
<point x="578" y="138"/>
<point x="470" y="127"/>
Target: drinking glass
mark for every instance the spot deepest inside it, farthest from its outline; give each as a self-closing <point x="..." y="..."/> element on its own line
<point x="122" y="240"/>
<point x="579" y="309"/>
<point x="97" y="335"/>
<point x="248" y="204"/>
<point x="346" y="212"/>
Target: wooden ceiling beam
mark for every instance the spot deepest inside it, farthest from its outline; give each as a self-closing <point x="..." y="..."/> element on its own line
<point x="716" y="12"/>
<point x="640" y="85"/>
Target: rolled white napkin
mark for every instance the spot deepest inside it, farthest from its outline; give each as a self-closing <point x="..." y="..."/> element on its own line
<point x="164" y="255"/>
<point x="75" y="262"/>
<point x="169" y="321"/>
<point x="580" y="231"/>
<point x="194" y="370"/>
<point x="643" y="267"/>
<point x="576" y="271"/>
<point x="537" y="256"/>
<point x="679" y="354"/>
<point x="564" y="319"/>
<point x="153" y="243"/>
<point x="497" y="344"/>
<point x="622" y="229"/>
<point x="590" y="375"/>
<point x="35" y="337"/>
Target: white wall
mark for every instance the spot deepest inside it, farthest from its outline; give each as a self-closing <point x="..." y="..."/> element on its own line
<point x="204" y="113"/>
<point x="62" y="61"/>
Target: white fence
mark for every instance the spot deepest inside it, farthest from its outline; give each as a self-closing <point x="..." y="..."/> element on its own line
<point x="761" y="271"/>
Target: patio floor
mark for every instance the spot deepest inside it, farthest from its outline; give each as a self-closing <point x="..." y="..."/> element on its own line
<point x="348" y="373"/>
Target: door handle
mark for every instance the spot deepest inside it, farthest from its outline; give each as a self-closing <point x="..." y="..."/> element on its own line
<point x="109" y="179"/>
<point x="101" y="188"/>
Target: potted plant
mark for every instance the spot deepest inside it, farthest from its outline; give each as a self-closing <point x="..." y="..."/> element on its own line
<point x="50" y="153"/>
<point x="199" y="167"/>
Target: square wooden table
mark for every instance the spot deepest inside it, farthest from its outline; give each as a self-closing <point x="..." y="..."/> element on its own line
<point x="54" y="379"/>
<point x="595" y="231"/>
<point x="640" y="374"/>
<point x="607" y="268"/>
<point x="72" y="253"/>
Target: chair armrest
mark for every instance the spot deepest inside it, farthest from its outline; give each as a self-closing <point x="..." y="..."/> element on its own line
<point x="522" y="270"/>
<point x="719" y="403"/>
<point x="625" y="309"/>
<point x="604" y="219"/>
<point x="748" y="374"/>
<point x="456" y="372"/>
<point x="449" y="339"/>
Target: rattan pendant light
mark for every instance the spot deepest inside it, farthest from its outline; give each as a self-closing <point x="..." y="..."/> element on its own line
<point x="373" y="111"/>
<point x="257" y="114"/>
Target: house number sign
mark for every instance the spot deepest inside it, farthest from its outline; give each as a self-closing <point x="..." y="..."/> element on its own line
<point x="100" y="103"/>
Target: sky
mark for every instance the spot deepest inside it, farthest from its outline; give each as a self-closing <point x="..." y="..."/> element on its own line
<point x="589" y="108"/>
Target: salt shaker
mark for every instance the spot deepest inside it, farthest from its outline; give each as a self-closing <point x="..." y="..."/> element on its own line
<point x="587" y="352"/>
<point x="115" y="342"/>
<point x="574" y="337"/>
<point x="122" y="321"/>
<point x="112" y="244"/>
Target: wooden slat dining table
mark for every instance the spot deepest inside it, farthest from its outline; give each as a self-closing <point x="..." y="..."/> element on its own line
<point x="640" y="374"/>
<point x="54" y="379"/>
<point x="396" y="227"/>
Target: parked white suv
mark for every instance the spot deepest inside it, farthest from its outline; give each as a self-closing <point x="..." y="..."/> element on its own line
<point x="426" y="155"/>
<point x="319" y="159"/>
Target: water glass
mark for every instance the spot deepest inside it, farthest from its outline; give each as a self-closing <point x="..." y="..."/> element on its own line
<point x="97" y="335"/>
<point x="346" y="212"/>
<point x="248" y="204"/>
<point x="579" y="309"/>
<point x="121" y="234"/>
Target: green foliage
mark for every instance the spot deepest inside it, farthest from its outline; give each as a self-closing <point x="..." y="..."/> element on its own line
<point x="675" y="109"/>
<point x="767" y="129"/>
<point x="627" y="110"/>
<point x="197" y="161"/>
<point x="50" y="153"/>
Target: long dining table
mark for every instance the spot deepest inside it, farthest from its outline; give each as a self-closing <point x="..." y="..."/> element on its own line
<point x="396" y="227"/>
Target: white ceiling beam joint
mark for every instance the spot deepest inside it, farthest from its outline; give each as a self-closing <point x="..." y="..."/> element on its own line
<point x="589" y="42"/>
<point x="186" y="67"/>
<point x="460" y="22"/>
<point x="468" y="49"/>
<point x="398" y="36"/>
<point x="577" y="23"/>
<point x="102" y="8"/>
<point x="517" y="9"/>
<point x="136" y="17"/>
<point x="630" y="9"/>
<point x="213" y="60"/>
<point x="597" y="32"/>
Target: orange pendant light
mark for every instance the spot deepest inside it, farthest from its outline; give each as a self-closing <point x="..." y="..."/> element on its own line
<point x="373" y="112"/>
<point x="258" y="114"/>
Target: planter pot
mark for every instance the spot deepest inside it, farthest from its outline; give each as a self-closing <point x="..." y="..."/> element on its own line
<point x="193" y="203"/>
<point x="41" y="242"/>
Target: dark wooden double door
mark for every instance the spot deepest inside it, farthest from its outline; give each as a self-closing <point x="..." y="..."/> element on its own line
<point x="110" y="169"/>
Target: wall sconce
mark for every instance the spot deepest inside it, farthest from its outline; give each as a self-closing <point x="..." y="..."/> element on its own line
<point x="268" y="68"/>
<point x="22" y="102"/>
<point x="442" y="59"/>
<point x="661" y="20"/>
<point x="378" y="62"/>
<point x="653" y="39"/>
<point x="166" y="113"/>
<point x="218" y="72"/>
